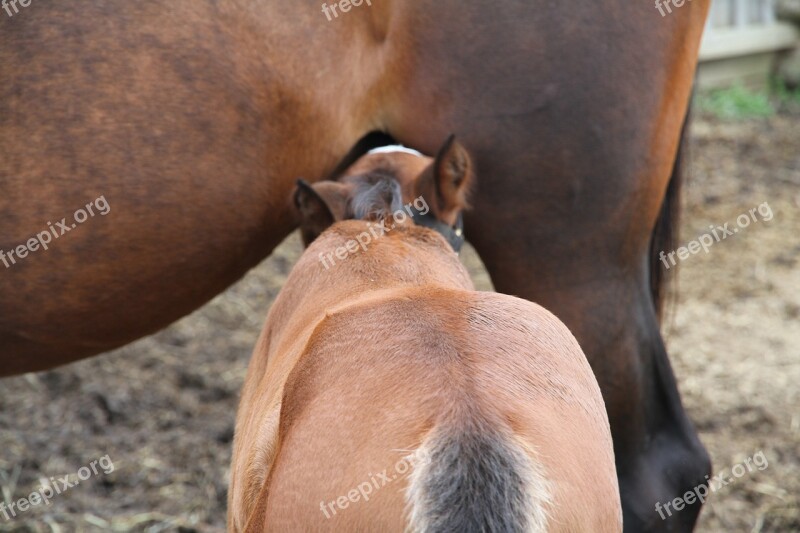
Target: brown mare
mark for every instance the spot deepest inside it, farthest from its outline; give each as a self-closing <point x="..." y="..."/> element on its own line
<point x="393" y="349"/>
<point x="193" y="119"/>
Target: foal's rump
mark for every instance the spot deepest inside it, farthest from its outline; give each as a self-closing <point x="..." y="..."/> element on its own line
<point x="445" y="409"/>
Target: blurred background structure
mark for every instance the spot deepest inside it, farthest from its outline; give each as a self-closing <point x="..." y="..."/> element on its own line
<point x="747" y="41"/>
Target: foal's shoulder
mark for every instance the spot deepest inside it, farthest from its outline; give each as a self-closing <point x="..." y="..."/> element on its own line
<point x="516" y="312"/>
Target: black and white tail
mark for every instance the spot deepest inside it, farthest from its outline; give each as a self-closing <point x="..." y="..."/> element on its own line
<point x="475" y="478"/>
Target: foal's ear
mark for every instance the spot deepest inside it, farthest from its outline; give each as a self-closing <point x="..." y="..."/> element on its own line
<point x="315" y="215"/>
<point x="452" y="179"/>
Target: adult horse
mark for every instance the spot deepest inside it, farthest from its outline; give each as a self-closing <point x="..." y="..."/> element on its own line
<point x="193" y="118"/>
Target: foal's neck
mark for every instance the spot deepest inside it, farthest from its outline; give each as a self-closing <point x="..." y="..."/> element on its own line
<point x="406" y="256"/>
<point x="403" y="258"/>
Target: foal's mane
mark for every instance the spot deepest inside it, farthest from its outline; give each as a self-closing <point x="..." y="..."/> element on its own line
<point x="377" y="195"/>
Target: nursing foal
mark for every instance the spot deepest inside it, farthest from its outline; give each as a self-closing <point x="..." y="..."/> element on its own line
<point x="391" y="351"/>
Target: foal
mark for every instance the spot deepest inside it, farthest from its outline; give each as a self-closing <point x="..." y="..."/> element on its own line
<point x="392" y="352"/>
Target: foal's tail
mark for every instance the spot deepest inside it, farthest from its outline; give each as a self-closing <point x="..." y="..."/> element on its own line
<point x="474" y="477"/>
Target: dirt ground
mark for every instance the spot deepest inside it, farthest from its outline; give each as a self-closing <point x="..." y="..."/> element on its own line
<point x="163" y="409"/>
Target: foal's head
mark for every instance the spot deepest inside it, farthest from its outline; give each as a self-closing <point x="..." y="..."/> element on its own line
<point x="431" y="191"/>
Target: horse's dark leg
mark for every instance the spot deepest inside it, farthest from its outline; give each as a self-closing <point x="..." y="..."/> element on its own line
<point x="573" y="111"/>
<point x="579" y="246"/>
<point x="587" y="260"/>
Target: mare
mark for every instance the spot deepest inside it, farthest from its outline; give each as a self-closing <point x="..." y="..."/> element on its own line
<point x="194" y="118"/>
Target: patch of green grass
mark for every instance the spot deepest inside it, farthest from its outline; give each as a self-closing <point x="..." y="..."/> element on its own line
<point x="735" y="103"/>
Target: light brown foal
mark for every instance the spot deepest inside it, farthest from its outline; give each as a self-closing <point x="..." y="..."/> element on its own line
<point x="392" y="352"/>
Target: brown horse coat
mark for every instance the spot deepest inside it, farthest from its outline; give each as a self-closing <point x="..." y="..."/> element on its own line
<point x="388" y="351"/>
<point x="193" y="118"/>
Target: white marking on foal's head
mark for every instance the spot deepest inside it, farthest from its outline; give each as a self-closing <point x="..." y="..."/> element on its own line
<point x="394" y="148"/>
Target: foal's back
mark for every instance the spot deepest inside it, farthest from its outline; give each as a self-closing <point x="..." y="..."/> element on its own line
<point x="468" y="382"/>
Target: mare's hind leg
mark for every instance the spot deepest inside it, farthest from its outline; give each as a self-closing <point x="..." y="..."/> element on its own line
<point x="557" y="232"/>
<point x="572" y="115"/>
<point x="579" y="246"/>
